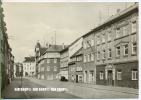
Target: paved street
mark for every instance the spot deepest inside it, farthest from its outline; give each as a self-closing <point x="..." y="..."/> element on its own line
<point x="9" y="92"/>
<point x="75" y="90"/>
<point x="90" y="90"/>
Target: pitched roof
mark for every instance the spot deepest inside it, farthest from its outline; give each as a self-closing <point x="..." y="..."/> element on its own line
<point x="42" y="50"/>
<point x="29" y="59"/>
<point x="70" y="44"/>
<point x="77" y="53"/>
<point x="54" y="48"/>
<point x="114" y="17"/>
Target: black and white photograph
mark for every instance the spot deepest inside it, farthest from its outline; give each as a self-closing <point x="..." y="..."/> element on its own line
<point x="69" y="49"/>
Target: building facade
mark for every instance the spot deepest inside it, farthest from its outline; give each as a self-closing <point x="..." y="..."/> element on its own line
<point x="50" y="63"/>
<point x="29" y="67"/>
<point x="115" y="47"/>
<point x="76" y="67"/>
<point x="6" y="58"/>
<point x="39" y="50"/>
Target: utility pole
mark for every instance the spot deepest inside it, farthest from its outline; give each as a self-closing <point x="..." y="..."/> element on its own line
<point x="55" y="38"/>
<point x="100" y="17"/>
<point x="52" y="40"/>
<point x="108" y="10"/>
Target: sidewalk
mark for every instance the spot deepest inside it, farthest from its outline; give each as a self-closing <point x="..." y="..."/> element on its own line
<point x="89" y="90"/>
<point x="99" y="87"/>
<point x="8" y="91"/>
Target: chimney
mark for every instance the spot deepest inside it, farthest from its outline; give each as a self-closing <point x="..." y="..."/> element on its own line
<point x="63" y="46"/>
<point x="47" y="45"/>
<point x="118" y="10"/>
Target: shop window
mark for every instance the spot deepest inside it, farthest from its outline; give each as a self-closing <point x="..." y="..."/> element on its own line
<point x="101" y="75"/>
<point x="134" y="74"/>
<point x="119" y="75"/>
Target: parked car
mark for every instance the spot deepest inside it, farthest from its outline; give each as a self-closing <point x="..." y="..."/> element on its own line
<point x="63" y="78"/>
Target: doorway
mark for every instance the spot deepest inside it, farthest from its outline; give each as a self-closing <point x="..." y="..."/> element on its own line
<point x="110" y="77"/>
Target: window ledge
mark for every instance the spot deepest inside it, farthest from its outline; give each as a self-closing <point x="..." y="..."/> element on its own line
<point x="133" y="33"/>
<point x="121" y="37"/>
<point x="118" y="57"/>
<point x="119" y="79"/>
<point x="134" y="79"/>
<point x="109" y="58"/>
<point x="103" y="43"/>
<point x="125" y="55"/>
<point x="109" y="40"/>
<point x="134" y="54"/>
<point x="98" y="44"/>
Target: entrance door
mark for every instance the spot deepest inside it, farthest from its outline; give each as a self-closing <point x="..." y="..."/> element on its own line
<point x="110" y="75"/>
<point x="76" y="78"/>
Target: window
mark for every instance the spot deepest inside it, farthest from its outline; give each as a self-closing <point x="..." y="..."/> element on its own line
<point x="109" y="36"/>
<point x="118" y="33"/>
<point x="103" y="47"/>
<point x="109" y="44"/>
<point x="119" y="75"/>
<point x="88" y="43"/>
<point x="89" y="57"/>
<point x="103" y="38"/>
<point x="109" y="53"/>
<point x="92" y="56"/>
<point x="55" y="68"/>
<point x="98" y="39"/>
<point x="118" y="51"/>
<point x="55" y="60"/>
<point x="125" y="32"/>
<point x="85" y="56"/>
<point x="134" y="74"/>
<point x="48" y="60"/>
<point x="101" y="75"/>
<point x="134" y="27"/>
<point x="134" y="38"/>
<point x="48" y="68"/>
<point x="92" y="42"/>
<point x="103" y="54"/>
<point x="98" y="55"/>
<point x="134" y="48"/>
<point x="98" y="52"/>
<point x="85" y="45"/>
<point x="126" y="50"/>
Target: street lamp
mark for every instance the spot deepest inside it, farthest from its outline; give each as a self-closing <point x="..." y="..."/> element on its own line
<point x="21" y="73"/>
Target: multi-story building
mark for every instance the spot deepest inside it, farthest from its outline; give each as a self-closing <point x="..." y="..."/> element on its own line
<point x="65" y="55"/>
<point x="75" y="67"/>
<point x="114" y="47"/>
<point x="5" y="53"/>
<point x="64" y="59"/>
<point x="18" y="69"/>
<point x="29" y="67"/>
<point x="39" y="50"/>
<point x="50" y="63"/>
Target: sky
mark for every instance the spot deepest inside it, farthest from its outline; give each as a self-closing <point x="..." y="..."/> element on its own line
<point x="27" y="22"/>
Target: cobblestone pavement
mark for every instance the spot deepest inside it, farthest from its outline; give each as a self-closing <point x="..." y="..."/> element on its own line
<point x="90" y="90"/>
<point x="8" y="91"/>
